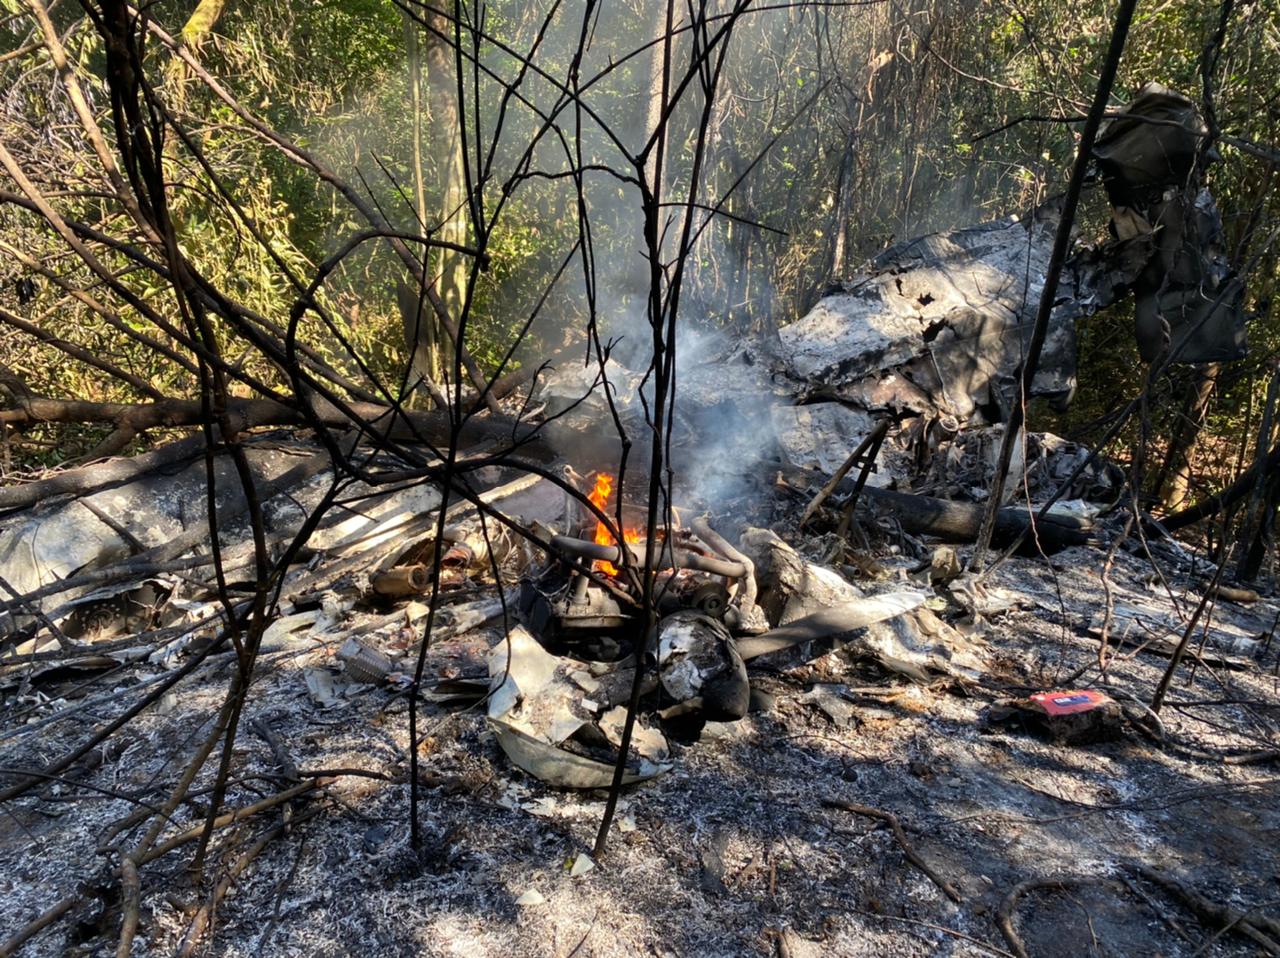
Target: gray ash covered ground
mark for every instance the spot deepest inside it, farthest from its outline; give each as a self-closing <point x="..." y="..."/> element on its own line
<point x="733" y="852"/>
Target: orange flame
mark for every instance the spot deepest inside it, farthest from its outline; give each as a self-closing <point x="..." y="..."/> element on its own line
<point x="599" y="497"/>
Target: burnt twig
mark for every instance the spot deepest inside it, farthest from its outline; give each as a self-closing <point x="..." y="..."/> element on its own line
<point x="36" y="925"/>
<point x="900" y="836"/>
<point x="1216" y="915"/>
<point x="1004" y="916"/>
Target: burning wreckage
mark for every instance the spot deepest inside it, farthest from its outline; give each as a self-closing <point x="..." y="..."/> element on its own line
<point x="883" y="399"/>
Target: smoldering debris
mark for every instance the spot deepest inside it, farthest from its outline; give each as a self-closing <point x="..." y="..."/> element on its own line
<point x="888" y="708"/>
<point x="877" y="659"/>
<point x="930" y="335"/>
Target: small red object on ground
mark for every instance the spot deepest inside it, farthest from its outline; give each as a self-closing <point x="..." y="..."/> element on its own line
<point x="1068" y="703"/>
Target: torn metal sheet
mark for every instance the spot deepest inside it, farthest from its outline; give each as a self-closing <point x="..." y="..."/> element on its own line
<point x="1154" y="141"/>
<point x="921" y="646"/>
<point x="820" y="436"/>
<point x="950" y="313"/>
<point x="698" y="664"/>
<point x="284" y="630"/>
<point x="647" y="742"/>
<point x="383" y="517"/>
<point x="790" y="586"/>
<point x="324" y="691"/>
<point x="1189" y="285"/>
<point x="532" y="691"/>
<point x="50" y="542"/>
<point x="829" y="699"/>
<point x="563" y="769"/>
<point x="837" y="623"/>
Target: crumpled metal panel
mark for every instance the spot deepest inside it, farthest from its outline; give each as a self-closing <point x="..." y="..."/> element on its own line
<point x="948" y="317"/>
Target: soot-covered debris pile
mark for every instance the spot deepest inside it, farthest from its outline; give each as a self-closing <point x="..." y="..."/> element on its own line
<point x="791" y="667"/>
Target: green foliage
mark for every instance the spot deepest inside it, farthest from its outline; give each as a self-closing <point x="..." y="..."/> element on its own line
<point x="877" y="112"/>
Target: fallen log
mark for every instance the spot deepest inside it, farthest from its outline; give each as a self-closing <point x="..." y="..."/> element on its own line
<point x="400" y="424"/>
<point x="959" y="521"/>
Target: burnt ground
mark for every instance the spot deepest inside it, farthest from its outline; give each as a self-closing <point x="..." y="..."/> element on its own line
<point x="731" y="853"/>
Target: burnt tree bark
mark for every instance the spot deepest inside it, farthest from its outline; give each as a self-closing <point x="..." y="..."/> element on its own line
<point x="1263" y="530"/>
<point x="423" y="337"/>
<point x="446" y="133"/>
<point x="960" y="521"/>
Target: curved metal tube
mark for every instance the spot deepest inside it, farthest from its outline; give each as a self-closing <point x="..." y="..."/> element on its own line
<point x="668" y="558"/>
<point x="702" y="529"/>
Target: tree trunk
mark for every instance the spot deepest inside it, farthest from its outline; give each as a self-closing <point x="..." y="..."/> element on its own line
<point x="844" y="202"/>
<point x="961" y="521"/>
<point x="1259" y="514"/>
<point x="446" y="133"/>
<point x="422" y="332"/>
<point x="1262" y="539"/>
<point x="194" y="32"/>
<point x="653" y="114"/>
<point x="844" y="188"/>
<point x="1175" y="474"/>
